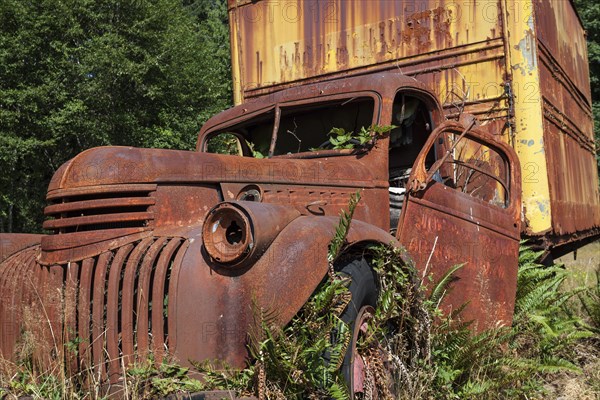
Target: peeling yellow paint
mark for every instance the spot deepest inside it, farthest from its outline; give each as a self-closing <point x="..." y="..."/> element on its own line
<point x="528" y="129"/>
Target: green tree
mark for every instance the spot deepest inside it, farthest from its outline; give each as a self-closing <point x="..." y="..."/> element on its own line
<point x="75" y="74"/>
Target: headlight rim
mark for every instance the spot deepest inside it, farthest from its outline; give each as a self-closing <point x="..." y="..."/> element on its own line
<point x="221" y="245"/>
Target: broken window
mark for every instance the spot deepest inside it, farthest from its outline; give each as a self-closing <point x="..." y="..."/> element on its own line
<point x="303" y="128"/>
<point x="475" y="169"/>
<point x="250" y="138"/>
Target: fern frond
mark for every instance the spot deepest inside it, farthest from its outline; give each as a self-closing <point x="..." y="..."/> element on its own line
<point x="341" y="230"/>
<point x="442" y="285"/>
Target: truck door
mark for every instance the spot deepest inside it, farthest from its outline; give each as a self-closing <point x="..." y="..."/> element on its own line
<point x="465" y="209"/>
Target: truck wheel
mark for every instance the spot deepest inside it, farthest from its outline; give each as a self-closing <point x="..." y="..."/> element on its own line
<point x="361" y="309"/>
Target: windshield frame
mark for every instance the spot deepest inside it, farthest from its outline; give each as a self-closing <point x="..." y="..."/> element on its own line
<point x="278" y="108"/>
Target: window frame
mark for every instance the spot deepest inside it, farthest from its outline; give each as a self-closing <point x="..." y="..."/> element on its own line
<point x="279" y="107"/>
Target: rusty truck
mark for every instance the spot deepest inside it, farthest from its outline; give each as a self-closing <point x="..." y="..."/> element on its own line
<point x="167" y="252"/>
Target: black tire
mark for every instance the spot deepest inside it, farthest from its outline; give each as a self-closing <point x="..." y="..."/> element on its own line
<point x="364" y="295"/>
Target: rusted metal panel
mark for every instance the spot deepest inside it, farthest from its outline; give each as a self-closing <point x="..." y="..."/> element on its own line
<point x="456" y="48"/>
<point x="443" y="226"/>
<point x="226" y="301"/>
<point x="11" y="243"/>
<point x="568" y="127"/>
<point x="92" y="301"/>
<point x="487" y="281"/>
<point x="311" y="200"/>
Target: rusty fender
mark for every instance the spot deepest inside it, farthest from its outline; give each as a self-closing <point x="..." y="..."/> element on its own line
<point x="10" y="243"/>
<point x="214" y="308"/>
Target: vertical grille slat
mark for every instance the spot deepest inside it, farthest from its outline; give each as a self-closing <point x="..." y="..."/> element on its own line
<point x="172" y="306"/>
<point x="98" y="312"/>
<point x="84" y="306"/>
<point x="112" y="312"/>
<point x="143" y="297"/>
<point x="70" y="314"/>
<point x="54" y="308"/>
<point x="128" y="297"/>
<point x="158" y="295"/>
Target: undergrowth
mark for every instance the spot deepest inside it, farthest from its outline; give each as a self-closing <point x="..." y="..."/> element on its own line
<point x="510" y="362"/>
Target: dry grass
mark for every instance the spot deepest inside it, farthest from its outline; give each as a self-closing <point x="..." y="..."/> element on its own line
<point x="583" y="386"/>
<point x="583" y="263"/>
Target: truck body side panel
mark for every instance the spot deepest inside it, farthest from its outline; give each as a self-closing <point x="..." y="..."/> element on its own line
<point x="568" y="128"/>
<point x="456" y="49"/>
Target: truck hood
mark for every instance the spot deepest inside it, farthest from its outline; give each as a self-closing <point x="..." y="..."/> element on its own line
<point x="119" y="165"/>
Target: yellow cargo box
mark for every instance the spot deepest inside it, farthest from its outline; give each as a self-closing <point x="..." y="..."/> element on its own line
<point x="520" y="66"/>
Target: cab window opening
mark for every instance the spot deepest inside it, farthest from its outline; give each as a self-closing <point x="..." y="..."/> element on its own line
<point x="301" y="129"/>
<point x="414" y="123"/>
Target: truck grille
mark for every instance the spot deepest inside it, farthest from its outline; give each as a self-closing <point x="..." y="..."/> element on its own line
<point x="100" y="208"/>
<point x="113" y="307"/>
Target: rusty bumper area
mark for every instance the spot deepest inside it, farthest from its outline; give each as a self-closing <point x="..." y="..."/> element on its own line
<point x="98" y="307"/>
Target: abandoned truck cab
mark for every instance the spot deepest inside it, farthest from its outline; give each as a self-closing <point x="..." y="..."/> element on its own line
<point x="170" y="253"/>
<point x="425" y="182"/>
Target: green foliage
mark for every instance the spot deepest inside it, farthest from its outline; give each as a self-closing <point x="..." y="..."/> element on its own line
<point x="25" y="383"/>
<point x="79" y="74"/>
<point x="305" y="357"/>
<point x="509" y="362"/>
<point x="145" y="380"/>
<point x="400" y="329"/>
<point x="148" y="380"/>
<point x="542" y="312"/>
<point x="366" y="137"/>
<point x="341" y="231"/>
<point x="447" y="360"/>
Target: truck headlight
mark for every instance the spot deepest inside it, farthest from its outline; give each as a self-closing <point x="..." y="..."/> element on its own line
<point x="228" y="234"/>
<point x="237" y="233"/>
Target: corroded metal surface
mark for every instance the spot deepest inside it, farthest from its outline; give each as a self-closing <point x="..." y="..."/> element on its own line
<point x="568" y="127"/>
<point x="444" y="226"/>
<point x="13" y="242"/>
<point x="449" y="45"/>
<point x="106" y="306"/>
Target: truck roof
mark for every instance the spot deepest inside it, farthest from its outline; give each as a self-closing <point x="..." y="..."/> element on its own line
<point x="385" y="84"/>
